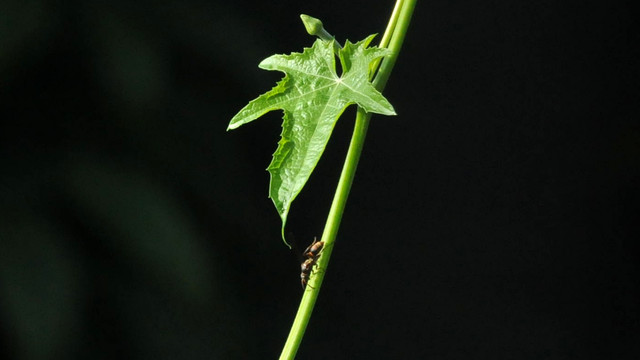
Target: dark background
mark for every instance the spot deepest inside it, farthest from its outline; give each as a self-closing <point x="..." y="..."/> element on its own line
<point x="495" y="217"/>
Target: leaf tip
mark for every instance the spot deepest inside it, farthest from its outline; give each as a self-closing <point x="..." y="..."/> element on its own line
<point x="266" y="64"/>
<point x="235" y="122"/>
<point x="284" y="239"/>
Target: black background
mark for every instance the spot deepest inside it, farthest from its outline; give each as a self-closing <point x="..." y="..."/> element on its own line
<point x="494" y="217"/>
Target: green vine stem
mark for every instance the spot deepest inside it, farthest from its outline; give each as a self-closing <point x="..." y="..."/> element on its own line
<point x="392" y="39"/>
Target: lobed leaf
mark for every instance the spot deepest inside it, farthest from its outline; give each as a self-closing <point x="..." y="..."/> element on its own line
<point x="313" y="97"/>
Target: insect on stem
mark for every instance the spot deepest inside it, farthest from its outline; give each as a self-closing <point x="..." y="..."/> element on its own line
<point x="311" y="255"/>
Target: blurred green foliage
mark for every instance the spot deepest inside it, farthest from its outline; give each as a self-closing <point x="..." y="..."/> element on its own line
<point x="117" y="216"/>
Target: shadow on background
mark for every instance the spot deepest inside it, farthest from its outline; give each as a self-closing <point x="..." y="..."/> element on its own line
<point x="495" y="217"/>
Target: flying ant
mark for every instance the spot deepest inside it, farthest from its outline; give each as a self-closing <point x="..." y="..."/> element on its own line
<point x="311" y="255"/>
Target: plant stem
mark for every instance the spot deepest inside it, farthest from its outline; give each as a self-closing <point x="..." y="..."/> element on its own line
<point x="395" y="43"/>
<point x="394" y="36"/>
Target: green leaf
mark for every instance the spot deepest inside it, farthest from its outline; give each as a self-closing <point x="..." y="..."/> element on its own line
<point x="313" y="97"/>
